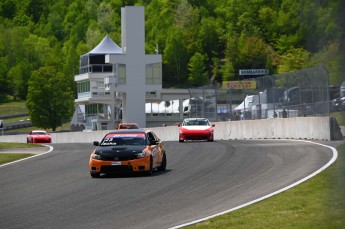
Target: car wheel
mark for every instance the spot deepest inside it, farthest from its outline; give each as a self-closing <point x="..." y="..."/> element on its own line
<point x="95" y="174"/>
<point x="150" y="171"/>
<point x="181" y="140"/>
<point x="164" y="163"/>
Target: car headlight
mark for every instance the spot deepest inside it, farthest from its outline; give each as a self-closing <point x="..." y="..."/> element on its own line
<point x="141" y="155"/>
<point x="96" y="156"/>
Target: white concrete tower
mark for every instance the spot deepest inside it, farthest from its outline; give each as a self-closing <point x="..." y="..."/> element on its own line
<point x="135" y="72"/>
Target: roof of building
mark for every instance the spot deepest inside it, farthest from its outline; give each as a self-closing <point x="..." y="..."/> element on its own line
<point x="106" y="46"/>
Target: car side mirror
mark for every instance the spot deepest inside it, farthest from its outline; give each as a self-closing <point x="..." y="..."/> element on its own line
<point x="153" y="142"/>
<point x="96" y="143"/>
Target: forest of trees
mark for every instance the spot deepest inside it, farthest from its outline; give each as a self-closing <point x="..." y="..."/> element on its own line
<point x="201" y="42"/>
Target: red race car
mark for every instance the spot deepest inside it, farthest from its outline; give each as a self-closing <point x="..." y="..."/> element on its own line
<point x="38" y="136"/>
<point x="196" y="129"/>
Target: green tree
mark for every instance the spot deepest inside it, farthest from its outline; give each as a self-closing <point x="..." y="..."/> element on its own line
<point x="7" y="8"/>
<point x="56" y="33"/>
<point x="4" y="84"/>
<point x="54" y="24"/>
<point x="175" y="58"/>
<point x="187" y="20"/>
<point x="230" y="55"/>
<point x="252" y="53"/>
<point x="209" y="39"/>
<point x="184" y="15"/>
<point x="295" y="59"/>
<point x="266" y="17"/>
<point x="288" y="26"/>
<point x="228" y="71"/>
<point x="106" y="17"/>
<point x="19" y="76"/>
<point x="50" y="98"/>
<point x="197" y="71"/>
<point x="158" y="20"/>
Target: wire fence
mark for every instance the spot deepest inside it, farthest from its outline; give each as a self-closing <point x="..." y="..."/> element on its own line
<point x="301" y="93"/>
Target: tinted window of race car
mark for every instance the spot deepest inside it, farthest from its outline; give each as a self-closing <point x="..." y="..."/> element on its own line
<point x="128" y="126"/>
<point x="123" y="140"/>
<point x="195" y="122"/>
<point x="39" y="133"/>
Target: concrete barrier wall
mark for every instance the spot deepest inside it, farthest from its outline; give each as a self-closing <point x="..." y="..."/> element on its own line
<point x="291" y="128"/>
<point x="316" y="128"/>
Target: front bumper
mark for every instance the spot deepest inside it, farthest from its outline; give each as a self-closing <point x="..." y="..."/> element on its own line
<point x="119" y="167"/>
<point x="40" y="141"/>
<point x="195" y="136"/>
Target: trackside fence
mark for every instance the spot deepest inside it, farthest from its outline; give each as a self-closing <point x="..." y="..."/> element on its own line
<point x="302" y="93"/>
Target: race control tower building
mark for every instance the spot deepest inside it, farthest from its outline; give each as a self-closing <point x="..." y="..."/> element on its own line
<point x="136" y="75"/>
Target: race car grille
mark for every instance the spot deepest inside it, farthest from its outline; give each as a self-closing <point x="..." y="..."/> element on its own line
<point x="116" y="169"/>
<point x="196" y="136"/>
<point x="43" y="141"/>
<point x="118" y="158"/>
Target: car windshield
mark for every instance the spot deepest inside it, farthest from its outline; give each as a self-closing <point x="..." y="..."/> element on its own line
<point x="39" y="133"/>
<point x="124" y="139"/>
<point x="195" y="122"/>
<point x="128" y="127"/>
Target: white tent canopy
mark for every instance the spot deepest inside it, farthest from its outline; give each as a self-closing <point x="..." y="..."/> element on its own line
<point x="247" y="103"/>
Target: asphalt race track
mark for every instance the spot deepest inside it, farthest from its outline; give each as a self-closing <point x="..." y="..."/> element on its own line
<point x="55" y="190"/>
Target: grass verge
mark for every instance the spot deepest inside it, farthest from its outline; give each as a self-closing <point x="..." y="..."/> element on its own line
<point x="12" y="145"/>
<point x="13" y="108"/>
<point x="9" y="157"/>
<point x="316" y="203"/>
<point x="340" y="117"/>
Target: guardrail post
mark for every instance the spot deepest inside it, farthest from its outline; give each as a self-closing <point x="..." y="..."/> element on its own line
<point x="2" y="126"/>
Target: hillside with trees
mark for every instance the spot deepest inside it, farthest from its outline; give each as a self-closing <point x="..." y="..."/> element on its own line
<point x="202" y="42"/>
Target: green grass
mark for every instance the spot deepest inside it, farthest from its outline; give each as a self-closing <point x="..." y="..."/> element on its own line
<point x="316" y="203"/>
<point x="13" y="145"/>
<point x="340" y="117"/>
<point x="13" y="108"/>
<point x="9" y="157"/>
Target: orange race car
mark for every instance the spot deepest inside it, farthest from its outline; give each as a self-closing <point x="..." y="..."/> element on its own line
<point x="127" y="151"/>
<point x="124" y="125"/>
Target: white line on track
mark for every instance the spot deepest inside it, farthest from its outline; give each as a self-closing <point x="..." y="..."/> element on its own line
<point x="333" y="159"/>
<point x="36" y="155"/>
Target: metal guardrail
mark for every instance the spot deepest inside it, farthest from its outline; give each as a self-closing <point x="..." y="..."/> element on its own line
<point x="14" y="116"/>
<point x="17" y="125"/>
<point x="13" y="125"/>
